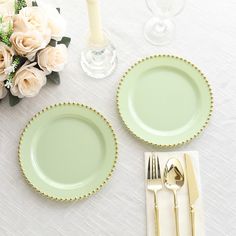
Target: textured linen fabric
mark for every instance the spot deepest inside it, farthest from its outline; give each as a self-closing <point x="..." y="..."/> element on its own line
<point x="206" y="36"/>
<point x="166" y="201"/>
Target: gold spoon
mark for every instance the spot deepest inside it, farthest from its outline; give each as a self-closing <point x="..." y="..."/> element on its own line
<point x="174" y="180"/>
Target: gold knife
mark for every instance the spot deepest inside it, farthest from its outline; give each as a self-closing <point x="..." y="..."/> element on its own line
<point x="193" y="191"/>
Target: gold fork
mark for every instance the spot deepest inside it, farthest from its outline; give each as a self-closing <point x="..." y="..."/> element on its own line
<point x="154" y="184"/>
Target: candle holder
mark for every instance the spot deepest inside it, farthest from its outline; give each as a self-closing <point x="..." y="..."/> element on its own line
<point x="99" y="60"/>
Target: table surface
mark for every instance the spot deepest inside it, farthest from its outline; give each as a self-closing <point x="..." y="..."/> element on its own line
<point x="206" y="36"/>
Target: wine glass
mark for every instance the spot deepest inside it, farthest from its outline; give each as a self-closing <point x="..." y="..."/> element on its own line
<point x="160" y="29"/>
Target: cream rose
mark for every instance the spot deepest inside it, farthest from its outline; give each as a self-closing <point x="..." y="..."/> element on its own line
<point x="3" y="90"/>
<point x="28" y="81"/>
<point x="32" y="19"/>
<point x="52" y="58"/>
<point x="27" y="44"/>
<point x="6" y="57"/>
<point x="56" y="22"/>
<point x="7" y="7"/>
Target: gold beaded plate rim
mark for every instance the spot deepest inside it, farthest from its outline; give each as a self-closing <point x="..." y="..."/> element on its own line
<point x="77" y="197"/>
<point x="124" y="78"/>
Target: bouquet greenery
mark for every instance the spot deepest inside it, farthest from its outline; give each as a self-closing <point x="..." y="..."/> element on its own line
<point x="33" y="48"/>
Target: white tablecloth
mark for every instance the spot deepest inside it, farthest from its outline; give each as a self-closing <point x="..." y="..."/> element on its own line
<point x="206" y="35"/>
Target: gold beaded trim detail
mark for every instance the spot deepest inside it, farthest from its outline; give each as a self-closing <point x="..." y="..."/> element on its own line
<point x="79" y="197"/>
<point x="165" y="56"/>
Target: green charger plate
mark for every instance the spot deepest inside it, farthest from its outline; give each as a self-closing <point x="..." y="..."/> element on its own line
<point x="164" y="100"/>
<point x="68" y="151"/>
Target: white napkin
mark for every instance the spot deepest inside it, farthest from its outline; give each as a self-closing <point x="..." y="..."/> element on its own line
<point x="167" y="220"/>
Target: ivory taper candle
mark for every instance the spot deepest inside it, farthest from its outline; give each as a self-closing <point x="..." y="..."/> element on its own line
<point x="96" y="32"/>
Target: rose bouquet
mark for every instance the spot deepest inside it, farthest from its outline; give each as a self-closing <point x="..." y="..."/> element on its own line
<point x="33" y="48"/>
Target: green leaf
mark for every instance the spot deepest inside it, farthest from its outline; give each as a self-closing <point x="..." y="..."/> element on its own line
<point x="5" y="35"/>
<point x="19" y="61"/>
<point x="13" y="100"/>
<point x="19" y="4"/>
<point x="66" y="41"/>
<point x="5" y="39"/>
<point x="54" y="77"/>
<point x="58" y="9"/>
<point x="34" y="4"/>
<point x="53" y="43"/>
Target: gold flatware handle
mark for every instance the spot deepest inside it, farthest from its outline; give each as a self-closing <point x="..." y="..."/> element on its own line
<point x="157" y="218"/>
<point x="176" y="208"/>
<point x="157" y="221"/>
<point x="192" y="214"/>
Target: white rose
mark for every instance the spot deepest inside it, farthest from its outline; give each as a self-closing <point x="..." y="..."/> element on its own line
<point x="3" y="90"/>
<point x="7" y="7"/>
<point x="27" y="44"/>
<point x="28" y="81"/>
<point x="56" y="22"/>
<point x="32" y="19"/>
<point x="52" y="58"/>
<point x="6" y="57"/>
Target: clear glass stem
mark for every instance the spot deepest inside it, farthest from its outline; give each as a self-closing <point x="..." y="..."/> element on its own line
<point x="159" y="31"/>
<point x="160" y="26"/>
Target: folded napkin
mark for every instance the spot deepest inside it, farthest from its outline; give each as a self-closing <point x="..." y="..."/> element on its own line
<point x="165" y="197"/>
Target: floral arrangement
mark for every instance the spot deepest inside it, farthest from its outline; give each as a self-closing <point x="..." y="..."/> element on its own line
<point x="33" y="48"/>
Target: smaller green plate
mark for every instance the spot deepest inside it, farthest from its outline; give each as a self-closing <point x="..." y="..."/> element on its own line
<point x="164" y="100"/>
<point x="68" y="151"/>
